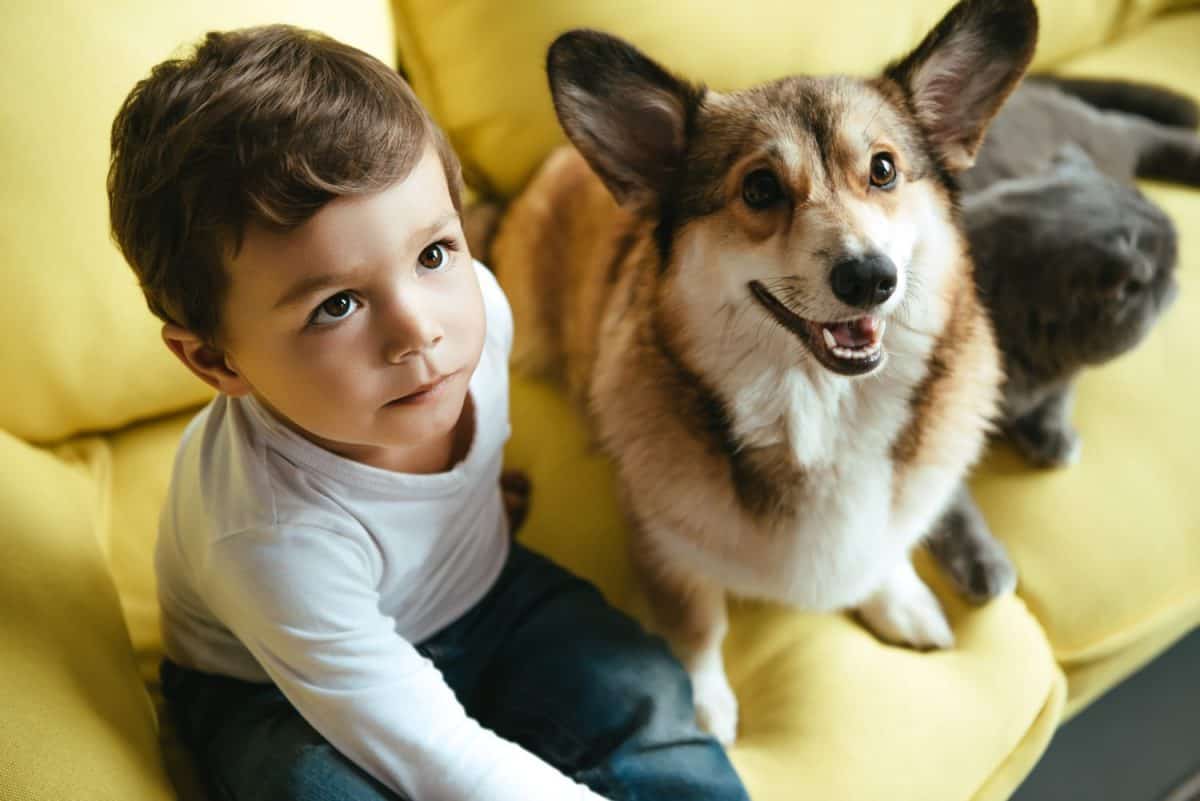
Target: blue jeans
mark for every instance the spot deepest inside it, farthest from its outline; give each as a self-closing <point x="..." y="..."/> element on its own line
<point x="541" y="660"/>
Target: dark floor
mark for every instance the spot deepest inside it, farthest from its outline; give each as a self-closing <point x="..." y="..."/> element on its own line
<point x="1137" y="743"/>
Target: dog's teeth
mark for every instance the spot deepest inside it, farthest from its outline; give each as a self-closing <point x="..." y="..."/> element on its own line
<point x="829" y="338"/>
<point x="857" y="354"/>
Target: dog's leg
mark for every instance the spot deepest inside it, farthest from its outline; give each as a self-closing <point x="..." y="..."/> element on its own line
<point x="975" y="560"/>
<point x="690" y="613"/>
<point x="906" y="612"/>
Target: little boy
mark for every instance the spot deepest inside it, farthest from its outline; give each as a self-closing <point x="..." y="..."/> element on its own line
<point x="344" y="614"/>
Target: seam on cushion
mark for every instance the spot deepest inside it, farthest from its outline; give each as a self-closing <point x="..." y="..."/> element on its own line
<point x="93" y="455"/>
<point x="1012" y="770"/>
<point x="413" y="60"/>
<point x="1119" y="637"/>
<point x="1098" y="676"/>
<point x="411" y="57"/>
<point x="1102" y="650"/>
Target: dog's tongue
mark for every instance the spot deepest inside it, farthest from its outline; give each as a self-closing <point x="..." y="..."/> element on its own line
<point x="856" y="333"/>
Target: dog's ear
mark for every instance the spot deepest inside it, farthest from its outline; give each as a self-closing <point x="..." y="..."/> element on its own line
<point x="627" y="115"/>
<point x="959" y="76"/>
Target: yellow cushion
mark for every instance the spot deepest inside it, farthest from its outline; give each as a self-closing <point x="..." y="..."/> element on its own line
<point x="491" y="95"/>
<point x="1109" y="550"/>
<point x="826" y="710"/>
<point x="78" y="350"/>
<point x="136" y="467"/>
<point x="139" y="469"/>
<point x="822" y="700"/>
<point x="77" y="723"/>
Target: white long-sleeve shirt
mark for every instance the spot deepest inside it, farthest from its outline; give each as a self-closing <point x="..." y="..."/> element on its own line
<point x="280" y="561"/>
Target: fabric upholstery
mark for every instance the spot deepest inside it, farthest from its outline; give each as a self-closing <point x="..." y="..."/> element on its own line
<point x="78" y="352"/>
<point x="1109" y="551"/>
<point x="490" y="94"/>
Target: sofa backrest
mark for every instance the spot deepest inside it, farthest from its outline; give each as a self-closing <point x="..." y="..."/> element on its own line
<point x="478" y="64"/>
<point x="78" y="349"/>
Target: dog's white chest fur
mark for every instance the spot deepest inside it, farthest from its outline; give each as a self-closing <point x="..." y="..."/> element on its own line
<point x="845" y="531"/>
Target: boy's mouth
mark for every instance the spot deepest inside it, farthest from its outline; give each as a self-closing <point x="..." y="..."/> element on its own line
<point x="428" y="391"/>
<point x="850" y="347"/>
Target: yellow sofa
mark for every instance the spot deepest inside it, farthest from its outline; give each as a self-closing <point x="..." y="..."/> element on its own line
<point x="92" y="405"/>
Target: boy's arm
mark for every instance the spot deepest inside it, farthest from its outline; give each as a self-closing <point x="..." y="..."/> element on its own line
<point x="303" y="602"/>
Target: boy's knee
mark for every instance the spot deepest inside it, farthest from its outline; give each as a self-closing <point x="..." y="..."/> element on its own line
<point x="656" y="677"/>
<point x="319" y="772"/>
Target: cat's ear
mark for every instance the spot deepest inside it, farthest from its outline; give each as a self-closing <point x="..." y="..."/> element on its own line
<point x="959" y="76"/>
<point x="627" y="116"/>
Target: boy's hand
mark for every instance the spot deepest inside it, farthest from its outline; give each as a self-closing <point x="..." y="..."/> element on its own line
<point x="515" y="488"/>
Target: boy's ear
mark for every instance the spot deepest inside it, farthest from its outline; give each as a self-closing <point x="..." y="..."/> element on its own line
<point x="627" y="115"/>
<point x="959" y="76"/>
<point x="210" y="364"/>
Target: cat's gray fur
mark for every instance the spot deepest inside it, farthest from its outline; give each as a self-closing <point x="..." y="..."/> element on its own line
<point x="1075" y="268"/>
<point x="1074" y="263"/>
<point x="1147" y="134"/>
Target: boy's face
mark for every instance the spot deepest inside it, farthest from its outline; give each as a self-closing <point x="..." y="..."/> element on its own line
<point x="361" y="328"/>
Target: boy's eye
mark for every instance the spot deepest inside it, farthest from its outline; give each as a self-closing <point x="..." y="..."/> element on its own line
<point x="337" y="307"/>
<point x="433" y="257"/>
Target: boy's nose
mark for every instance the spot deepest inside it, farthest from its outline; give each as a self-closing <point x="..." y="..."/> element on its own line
<point x="402" y="348"/>
<point x="410" y="333"/>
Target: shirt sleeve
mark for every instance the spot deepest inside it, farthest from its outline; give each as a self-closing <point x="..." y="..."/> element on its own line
<point x="303" y="601"/>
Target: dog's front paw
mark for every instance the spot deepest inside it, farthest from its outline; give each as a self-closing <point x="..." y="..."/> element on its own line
<point x="716" y="705"/>
<point x="906" y="612"/>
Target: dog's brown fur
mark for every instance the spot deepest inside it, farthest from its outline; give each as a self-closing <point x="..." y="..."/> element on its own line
<point x="610" y="259"/>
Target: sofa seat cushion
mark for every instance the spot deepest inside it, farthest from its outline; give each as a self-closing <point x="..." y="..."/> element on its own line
<point x="827" y="711"/>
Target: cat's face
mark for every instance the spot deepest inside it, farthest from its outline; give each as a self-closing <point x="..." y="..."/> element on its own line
<point x="1076" y="266"/>
<point x="1118" y="278"/>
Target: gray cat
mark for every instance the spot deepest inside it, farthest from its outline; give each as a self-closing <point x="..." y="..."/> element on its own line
<point x="1074" y="263"/>
<point x="1075" y="268"/>
<point x="1129" y="130"/>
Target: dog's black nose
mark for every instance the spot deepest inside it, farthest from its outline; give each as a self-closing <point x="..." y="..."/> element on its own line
<point x="865" y="282"/>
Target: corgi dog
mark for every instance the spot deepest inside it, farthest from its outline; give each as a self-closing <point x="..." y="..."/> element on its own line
<point x="765" y="300"/>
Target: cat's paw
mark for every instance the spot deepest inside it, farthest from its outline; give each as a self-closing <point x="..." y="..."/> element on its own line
<point x="716" y="705"/>
<point x="976" y="562"/>
<point x="906" y="612"/>
<point x="988" y="575"/>
<point x="1048" y="447"/>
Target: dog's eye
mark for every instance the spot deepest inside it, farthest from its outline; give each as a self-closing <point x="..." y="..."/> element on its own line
<point x="883" y="171"/>
<point x="761" y="190"/>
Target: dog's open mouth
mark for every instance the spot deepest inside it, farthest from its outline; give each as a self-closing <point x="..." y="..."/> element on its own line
<point x="850" y="347"/>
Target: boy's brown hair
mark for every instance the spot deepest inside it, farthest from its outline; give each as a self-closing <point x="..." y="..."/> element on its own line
<point x="262" y="125"/>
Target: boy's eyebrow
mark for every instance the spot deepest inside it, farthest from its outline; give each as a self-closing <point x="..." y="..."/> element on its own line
<point x="307" y="286"/>
<point x="437" y="225"/>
